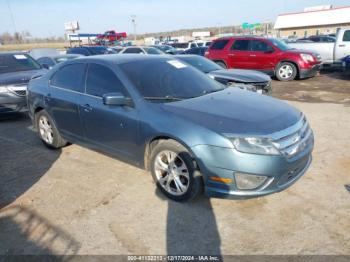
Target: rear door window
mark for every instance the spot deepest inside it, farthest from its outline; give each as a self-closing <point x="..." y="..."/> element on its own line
<point x="260" y="46"/>
<point x="241" y="45"/>
<point x="346" y="37"/>
<point x="219" y="44"/>
<point x="102" y="80"/>
<point x="70" y="77"/>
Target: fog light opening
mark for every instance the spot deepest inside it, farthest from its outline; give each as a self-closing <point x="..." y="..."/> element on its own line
<point x="248" y="181"/>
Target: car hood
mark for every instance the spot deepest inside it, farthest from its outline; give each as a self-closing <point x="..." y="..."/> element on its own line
<point x="235" y="111"/>
<point x="21" y="77"/>
<point x="241" y="75"/>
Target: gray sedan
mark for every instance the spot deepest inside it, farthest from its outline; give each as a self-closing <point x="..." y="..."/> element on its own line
<point x="16" y="69"/>
<point x="245" y="79"/>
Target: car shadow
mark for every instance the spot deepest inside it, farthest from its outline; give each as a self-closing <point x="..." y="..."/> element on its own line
<point x="24" y="232"/>
<point x="191" y="227"/>
<point x="23" y="157"/>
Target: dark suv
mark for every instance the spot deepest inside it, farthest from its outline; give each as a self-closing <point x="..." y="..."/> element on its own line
<point x="264" y="54"/>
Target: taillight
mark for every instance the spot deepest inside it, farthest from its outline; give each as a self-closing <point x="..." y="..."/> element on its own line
<point x="206" y="53"/>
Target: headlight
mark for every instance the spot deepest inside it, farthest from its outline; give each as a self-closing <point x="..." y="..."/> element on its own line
<point x="254" y="145"/>
<point x="3" y="89"/>
<point x="307" y="58"/>
<point x="243" y="86"/>
<point x="248" y="181"/>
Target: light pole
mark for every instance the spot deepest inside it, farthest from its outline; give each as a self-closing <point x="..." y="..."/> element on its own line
<point x="133" y="20"/>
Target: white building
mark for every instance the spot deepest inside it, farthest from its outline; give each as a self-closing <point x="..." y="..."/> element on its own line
<point x="313" y="21"/>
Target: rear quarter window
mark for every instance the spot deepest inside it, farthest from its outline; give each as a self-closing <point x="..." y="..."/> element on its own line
<point x="240" y="45"/>
<point x="219" y="44"/>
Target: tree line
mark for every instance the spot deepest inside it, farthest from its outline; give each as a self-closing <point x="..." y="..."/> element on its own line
<point x="23" y="37"/>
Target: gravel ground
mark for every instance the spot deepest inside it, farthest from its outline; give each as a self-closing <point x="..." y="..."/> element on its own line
<point x="77" y="201"/>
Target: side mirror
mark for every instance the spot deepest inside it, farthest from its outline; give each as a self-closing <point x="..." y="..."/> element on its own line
<point x="269" y="51"/>
<point x="116" y="99"/>
<point x="46" y="66"/>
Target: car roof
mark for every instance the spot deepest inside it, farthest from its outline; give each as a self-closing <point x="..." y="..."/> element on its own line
<point x="121" y="58"/>
<point x="88" y="46"/>
<point x="63" y="55"/>
<point x="241" y="37"/>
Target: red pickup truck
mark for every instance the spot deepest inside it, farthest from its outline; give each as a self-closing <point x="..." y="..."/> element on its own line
<point x="269" y="55"/>
<point x="112" y="36"/>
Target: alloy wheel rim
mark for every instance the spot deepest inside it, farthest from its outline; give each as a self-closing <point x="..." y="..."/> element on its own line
<point x="286" y="71"/>
<point x="172" y="173"/>
<point x="45" y="130"/>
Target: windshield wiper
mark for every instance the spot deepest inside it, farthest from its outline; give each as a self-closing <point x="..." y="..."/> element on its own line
<point x="205" y="92"/>
<point x="167" y="98"/>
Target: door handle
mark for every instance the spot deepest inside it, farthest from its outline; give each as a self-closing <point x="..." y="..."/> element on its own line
<point x="252" y="55"/>
<point x="341" y="45"/>
<point x="87" y="108"/>
<point x="231" y="54"/>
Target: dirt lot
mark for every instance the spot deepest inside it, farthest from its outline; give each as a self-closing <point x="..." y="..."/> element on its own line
<point x="76" y="201"/>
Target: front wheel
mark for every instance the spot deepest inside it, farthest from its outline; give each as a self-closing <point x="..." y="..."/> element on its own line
<point x="174" y="172"/>
<point x="286" y="71"/>
<point x="48" y="131"/>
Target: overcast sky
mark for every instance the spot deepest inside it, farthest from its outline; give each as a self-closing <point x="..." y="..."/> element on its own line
<point x="44" y="18"/>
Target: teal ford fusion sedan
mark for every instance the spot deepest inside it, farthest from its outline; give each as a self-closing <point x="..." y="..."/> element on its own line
<point x="158" y="113"/>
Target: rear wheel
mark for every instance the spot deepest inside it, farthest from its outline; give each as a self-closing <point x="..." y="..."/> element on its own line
<point x="174" y="172"/>
<point x="286" y="71"/>
<point x="48" y="131"/>
<point x="222" y="64"/>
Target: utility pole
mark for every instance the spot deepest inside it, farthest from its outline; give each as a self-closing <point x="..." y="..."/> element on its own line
<point x="133" y="20"/>
<point x="12" y="19"/>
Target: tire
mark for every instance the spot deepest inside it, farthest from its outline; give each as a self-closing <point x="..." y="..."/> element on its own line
<point x="222" y="64"/>
<point x="47" y="131"/>
<point x="178" y="179"/>
<point x="286" y="71"/>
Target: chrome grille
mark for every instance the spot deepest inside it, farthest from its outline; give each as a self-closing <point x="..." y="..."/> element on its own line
<point x="21" y="92"/>
<point x="294" y="139"/>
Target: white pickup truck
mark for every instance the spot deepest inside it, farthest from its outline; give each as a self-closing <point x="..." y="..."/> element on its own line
<point x="331" y="53"/>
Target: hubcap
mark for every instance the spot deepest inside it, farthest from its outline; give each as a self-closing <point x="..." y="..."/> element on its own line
<point x="286" y="71"/>
<point x="45" y="130"/>
<point x="172" y="172"/>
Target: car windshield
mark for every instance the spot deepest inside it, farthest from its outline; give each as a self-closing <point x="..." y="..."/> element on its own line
<point x="153" y="51"/>
<point x="16" y="63"/>
<point x="279" y="44"/>
<point x="201" y="63"/>
<point x="168" y="80"/>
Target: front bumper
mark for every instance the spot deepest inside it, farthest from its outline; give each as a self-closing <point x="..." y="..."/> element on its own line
<point x="306" y="73"/>
<point x="10" y="102"/>
<point x="280" y="171"/>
